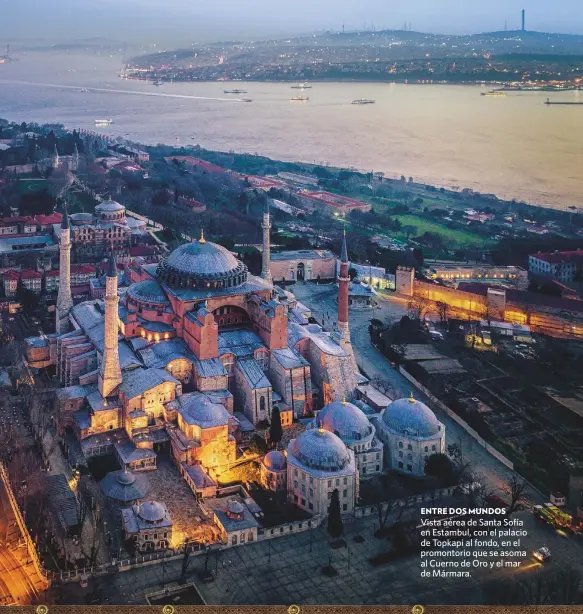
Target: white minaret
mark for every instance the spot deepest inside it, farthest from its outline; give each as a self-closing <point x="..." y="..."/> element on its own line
<point x="109" y="371"/>
<point x="64" y="299"/>
<point x="75" y="159"/>
<point x="266" y="225"/>
<point x="56" y="161"/>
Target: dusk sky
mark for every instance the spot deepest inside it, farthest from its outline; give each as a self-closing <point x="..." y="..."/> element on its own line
<point x="180" y="21"/>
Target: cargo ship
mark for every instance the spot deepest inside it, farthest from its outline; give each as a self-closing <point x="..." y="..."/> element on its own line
<point x="495" y="93"/>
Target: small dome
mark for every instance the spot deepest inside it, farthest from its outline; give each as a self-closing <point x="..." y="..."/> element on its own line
<point x="109" y="206"/>
<point x="148" y="291"/>
<point x="200" y="410"/>
<point x="409" y="417"/>
<point x="345" y="420"/>
<point x="320" y="449"/>
<point x="235" y="507"/>
<point x="126" y="478"/>
<point x="275" y="460"/>
<point x="152" y="511"/>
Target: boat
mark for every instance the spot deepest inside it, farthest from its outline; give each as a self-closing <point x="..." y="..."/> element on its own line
<point x="363" y="101"/>
<point x="103" y="122"/>
<point x="301" y="86"/>
<point x="159" y="82"/>
<point x="495" y="93"/>
<point x="235" y="91"/>
<point x="549" y="101"/>
<point x="301" y="98"/>
<point x="246" y="100"/>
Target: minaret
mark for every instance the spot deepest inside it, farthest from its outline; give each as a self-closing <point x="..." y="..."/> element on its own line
<point x="64" y="299"/>
<point x="266" y="225"/>
<point x="56" y="161"/>
<point x="343" y="284"/>
<point x="110" y="372"/>
<point x="75" y="159"/>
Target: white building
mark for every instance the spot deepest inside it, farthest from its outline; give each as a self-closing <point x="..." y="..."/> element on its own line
<point x="410" y="433"/>
<point x="349" y="422"/>
<point x="318" y="463"/>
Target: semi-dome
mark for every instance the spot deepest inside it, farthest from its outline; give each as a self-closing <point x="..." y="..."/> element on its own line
<point x="321" y="450"/>
<point x="275" y="461"/>
<point x="148" y="291"/>
<point x="152" y="511"/>
<point x="201" y="264"/>
<point x="345" y="420"/>
<point x="410" y="417"/>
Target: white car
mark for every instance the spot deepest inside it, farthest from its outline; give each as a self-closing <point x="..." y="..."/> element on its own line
<point x="542" y="554"/>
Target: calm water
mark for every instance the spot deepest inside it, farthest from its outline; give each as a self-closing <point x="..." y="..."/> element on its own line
<point x="516" y="146"/>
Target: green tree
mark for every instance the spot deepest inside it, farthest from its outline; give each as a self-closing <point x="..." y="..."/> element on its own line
<point x="335" y="526"/>
<point x="275" y="430"/>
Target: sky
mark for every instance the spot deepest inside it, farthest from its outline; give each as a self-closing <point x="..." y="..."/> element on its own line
<point x="171" y="22"/>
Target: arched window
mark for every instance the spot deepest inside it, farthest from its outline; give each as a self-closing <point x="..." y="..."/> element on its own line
<point x="262" y="404"/>
<point x="234" y="540"/>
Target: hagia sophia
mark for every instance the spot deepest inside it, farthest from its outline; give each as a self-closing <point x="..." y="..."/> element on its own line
<point x="197" y="346"/>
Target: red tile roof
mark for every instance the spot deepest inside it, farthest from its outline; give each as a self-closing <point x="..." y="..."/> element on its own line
<point x="53" y="218"/>
<point x="12" y="275"/>
<point x="559" y="257"/>
<point x="52" y="273"/>
<point x="83" y="268"/>
<point x="30" y="274"/>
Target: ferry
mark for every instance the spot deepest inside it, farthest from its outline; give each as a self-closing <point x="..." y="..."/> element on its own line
<point x="103" y="122"/>
<point x="496" y="93"/>
<point x="301" y="86"/>
<point x="363" y="101"/>
<point x="301" y="98"/>
<point x="235" y="91"/>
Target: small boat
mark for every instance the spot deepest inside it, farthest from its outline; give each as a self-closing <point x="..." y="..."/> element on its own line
<point x="103" y="122"/>
<point x="246" y="100"/>
<point x="363" y="101"/>
<point x="159" y="82"/>
<point x="235" y="91"/>
<point x="495" y="93"/>
<point x="301" y="86"/>
<point x="300" y="98"/>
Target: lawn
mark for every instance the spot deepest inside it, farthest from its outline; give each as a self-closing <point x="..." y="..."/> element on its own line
<point x="463" y="237"/>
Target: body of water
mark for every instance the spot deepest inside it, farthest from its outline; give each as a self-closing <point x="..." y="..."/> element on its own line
<point x="445" y="135"/>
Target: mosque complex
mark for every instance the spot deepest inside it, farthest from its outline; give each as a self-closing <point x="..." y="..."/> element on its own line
<point x="196" y="350"/>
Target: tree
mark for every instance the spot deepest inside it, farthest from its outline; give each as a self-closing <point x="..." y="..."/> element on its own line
<point x="335" y="526"/>
<point x="515" y="487"/>
<point x="419" y="307"/>
<point x="442" y="309"/>
<point x="441" y="467"/>
<point x="409" y="230"/>
<point x="275" y="430"/>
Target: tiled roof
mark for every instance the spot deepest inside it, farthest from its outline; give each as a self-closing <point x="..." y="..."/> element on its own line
<point x="253" y="373"/>
<point x="137" y="381"/>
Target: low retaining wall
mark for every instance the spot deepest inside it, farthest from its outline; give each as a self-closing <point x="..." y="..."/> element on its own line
<point x="436" y="403"/>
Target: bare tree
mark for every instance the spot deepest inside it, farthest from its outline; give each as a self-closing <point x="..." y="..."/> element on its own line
<point x="515" y="487"/>
<point x="442" y="309"/>
<point x="418" y="307"/>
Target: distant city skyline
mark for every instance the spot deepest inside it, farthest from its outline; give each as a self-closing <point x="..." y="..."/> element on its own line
<point x="169" y="22"/>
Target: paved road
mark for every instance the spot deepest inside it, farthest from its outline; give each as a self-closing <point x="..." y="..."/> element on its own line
<point x="322" y="300"/>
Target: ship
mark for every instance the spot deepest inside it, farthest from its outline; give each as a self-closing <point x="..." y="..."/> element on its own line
<point x="301" y="86"/>
<point x="246" y="100"/>
<point x="301" y="98"/>
<point x="549" y="101"/>
<point x="496" y="93"/>
<point x="103" y="122"/>
<point x="159" y="82"/>
<point x="235" y="91"/>
<point x="363" y="101"/>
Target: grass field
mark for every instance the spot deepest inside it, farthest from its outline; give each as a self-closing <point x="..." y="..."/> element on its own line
<point x="462" y="237"/>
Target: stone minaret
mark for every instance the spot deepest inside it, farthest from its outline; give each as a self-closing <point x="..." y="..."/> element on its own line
<point x="75" y="159"/>
<point x="266" y="225"/>
<point x="110" y="372"/>
<point x="343" y="285"/>
<point x="64" y="299"/>
<point x="56" y="161"/>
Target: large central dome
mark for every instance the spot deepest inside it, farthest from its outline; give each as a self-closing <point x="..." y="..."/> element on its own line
<point x="202" y="264"/>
